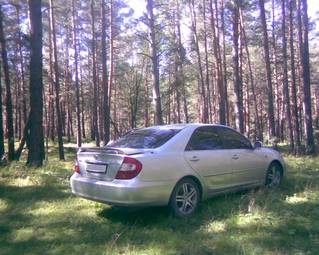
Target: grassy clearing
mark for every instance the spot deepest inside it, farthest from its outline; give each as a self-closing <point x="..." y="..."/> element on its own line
<point x="40" y="216"/>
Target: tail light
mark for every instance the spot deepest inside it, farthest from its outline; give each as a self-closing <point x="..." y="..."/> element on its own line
<point x="77" y="168"/>
<point x="129" y="169"/>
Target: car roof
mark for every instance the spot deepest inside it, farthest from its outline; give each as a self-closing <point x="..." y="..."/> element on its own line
<point x="184" y="125"/>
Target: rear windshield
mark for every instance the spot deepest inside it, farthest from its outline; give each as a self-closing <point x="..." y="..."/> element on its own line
<point x="146" y="138"/>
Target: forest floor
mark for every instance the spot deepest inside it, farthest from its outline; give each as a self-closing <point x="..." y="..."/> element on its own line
<point x="39" y="215"/>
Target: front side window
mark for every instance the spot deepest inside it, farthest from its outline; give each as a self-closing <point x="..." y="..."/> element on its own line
<point x="232" y="139"/>
<point x="204" y="138"/>
<point x="145" y="138"/>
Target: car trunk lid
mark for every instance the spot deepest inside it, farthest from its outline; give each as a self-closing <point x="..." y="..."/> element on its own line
<point x="103" y="163"/>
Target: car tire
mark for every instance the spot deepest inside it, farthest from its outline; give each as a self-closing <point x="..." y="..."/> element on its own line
<point x="274" y="175"/>
<point x="185" y="198"/>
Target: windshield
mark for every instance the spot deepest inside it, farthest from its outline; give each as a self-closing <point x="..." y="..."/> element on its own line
<point x="146" y="138"/>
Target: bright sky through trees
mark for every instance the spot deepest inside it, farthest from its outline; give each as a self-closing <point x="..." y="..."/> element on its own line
<point x="139" y="7"/>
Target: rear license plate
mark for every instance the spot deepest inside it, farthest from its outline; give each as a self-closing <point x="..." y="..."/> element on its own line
<point x="96" y="168"/>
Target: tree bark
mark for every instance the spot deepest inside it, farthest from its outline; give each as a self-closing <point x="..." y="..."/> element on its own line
<point x="82" y="105"/>
<point x="95" y="87"/>
<point x="207" y="75"/>
<point x="1" y="123"/>
<point x="36" y="140"/>
<point x="23" y="79"/>
<point x="67" y="81"/>
<point x="224" y="65"/>
<point x="259" y="133"/>
<point x="24" y="138"/>
<point x="105" y="82"/>
<point x="219" y="68"/>
<point x="202" y="90"/>
<point x="57" y="84"/>
<point x="285" y="74"/>
<point x="271" y="119"/>
<point x="303" y="25"/>
<point x="238" y="87"/>
<point x="277" y="95"/>
<point x="77" y="85"/>
<point x="146" y="93"/>
<point x="9" y="108"/>
<point x="180" y="62"/>
<point x="155" y="64"/>
<point x="293" y="80"/>
<point x="51" y="129"/>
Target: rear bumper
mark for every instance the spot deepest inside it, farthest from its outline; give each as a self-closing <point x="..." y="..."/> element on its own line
<point x="122" y="192"/>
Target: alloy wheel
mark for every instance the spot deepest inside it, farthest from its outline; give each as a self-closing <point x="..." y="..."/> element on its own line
<point x="186" y="198"/>
<point x="274" y="176"/>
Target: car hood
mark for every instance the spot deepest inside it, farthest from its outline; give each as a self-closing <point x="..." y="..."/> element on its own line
<point x="272" y="152"/>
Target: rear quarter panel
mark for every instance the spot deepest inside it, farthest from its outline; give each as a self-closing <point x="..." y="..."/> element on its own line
<point x="164" y="166"/>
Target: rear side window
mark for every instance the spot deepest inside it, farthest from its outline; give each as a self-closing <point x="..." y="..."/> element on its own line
<point x="232" y="139"/>
<point x="204" y="138"/>
<point x="146" y="138"/>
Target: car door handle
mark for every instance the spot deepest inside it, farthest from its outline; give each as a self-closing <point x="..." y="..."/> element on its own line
<point x="194" y="158"/>
<point x="235" y="157"/>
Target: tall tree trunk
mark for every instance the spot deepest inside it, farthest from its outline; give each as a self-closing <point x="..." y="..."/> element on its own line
<point x="259" y="133"/>
<point x="224" y="65"/>
<point x="155" y="64"/>
<point x="67" y="81"/>
<point x="271" y="118"/>
<point x="9" y="109"/>
<point x="177" y="80"/>
<point x="95" y="87"/>
<point x="111" y="85"/>
<point x="23" y="79"/>
<point x="77" y="85"/>
<point x="303" y="25"/>
<point x="207" y="78"/>
<point x="105" y="85"/>
<point x="51" y="130"/>
<point x="17" y="93"/>
<point x="201" y="81"/>
<point x="285" y="74"/>
<point x="277" y="94"/>
<point x="146" y="104"/>
<point x="82" y="105"/>
<point x="180" y="63"/>
<point x="57" y="84"/>
<point x="219" y="68"/>
<point x="1" y="122"/>
<point x="36" y="140"/>
<point x="293" y="80"/>
<point x="238" y="87"/>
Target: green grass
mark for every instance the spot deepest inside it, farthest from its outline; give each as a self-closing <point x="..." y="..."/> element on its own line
<point x="39" y="215"/>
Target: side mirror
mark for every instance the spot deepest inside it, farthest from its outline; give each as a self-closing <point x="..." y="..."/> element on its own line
<point x="258" y="144"/>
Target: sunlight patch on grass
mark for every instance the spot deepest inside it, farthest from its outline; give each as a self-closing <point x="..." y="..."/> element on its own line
<point x="3" y="205"/>
<point x="260" y="218"/>
<point x="216" y="227"/>
<point x="133" y="250"/>
<point x="296" y="198"/>
<point x="23" y="182"/>
<point x="23" y="234"/>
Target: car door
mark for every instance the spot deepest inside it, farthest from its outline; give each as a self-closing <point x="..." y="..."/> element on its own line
<point x="248" y="166"/>
<point x="205" y="155"/>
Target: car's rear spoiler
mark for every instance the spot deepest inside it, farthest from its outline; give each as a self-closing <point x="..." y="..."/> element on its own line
<point x="108" y="150"/>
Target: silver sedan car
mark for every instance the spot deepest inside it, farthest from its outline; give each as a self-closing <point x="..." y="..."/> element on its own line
<point x="176" y="165"/>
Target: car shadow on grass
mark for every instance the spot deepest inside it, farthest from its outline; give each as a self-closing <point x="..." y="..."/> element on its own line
<point x="219" y="207"/>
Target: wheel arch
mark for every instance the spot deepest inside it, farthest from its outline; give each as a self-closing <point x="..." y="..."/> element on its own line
<point x="196" y="180"/>
<point x="276" y="161"/>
